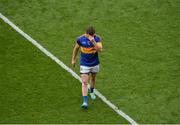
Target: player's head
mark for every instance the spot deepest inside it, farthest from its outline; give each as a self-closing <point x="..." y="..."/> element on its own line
<point x="90" y="30"/>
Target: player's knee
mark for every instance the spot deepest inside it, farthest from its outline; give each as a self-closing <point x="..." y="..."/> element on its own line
<point x="84" y="84"/>
<point x="84" y="80"/>
<point x="93" y="79"/>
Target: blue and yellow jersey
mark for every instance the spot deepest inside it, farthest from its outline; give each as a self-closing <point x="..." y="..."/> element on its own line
<point x="89" y="55"/>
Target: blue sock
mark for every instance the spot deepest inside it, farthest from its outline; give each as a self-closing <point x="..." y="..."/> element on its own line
<point x="85" y="99"/>
<point x="91" y="90"/>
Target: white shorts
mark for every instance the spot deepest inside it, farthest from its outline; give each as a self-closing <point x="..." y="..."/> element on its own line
<point x="87" y="69"/>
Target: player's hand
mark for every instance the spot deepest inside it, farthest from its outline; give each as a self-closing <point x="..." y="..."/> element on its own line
<point x="73" y="63"/>
<point x="91" y="38"/>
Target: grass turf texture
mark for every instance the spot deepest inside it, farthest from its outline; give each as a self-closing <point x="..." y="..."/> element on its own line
<point x="140" y="63"/>
<point x="34" y="89"/>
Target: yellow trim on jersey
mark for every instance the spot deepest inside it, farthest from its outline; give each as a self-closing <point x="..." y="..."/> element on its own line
<point x="88" y="50"/>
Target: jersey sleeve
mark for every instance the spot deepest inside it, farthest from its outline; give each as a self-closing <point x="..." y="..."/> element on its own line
<point x="97" y="39"/>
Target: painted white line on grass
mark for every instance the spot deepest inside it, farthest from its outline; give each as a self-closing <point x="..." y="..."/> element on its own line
<point x="59" y="62"/>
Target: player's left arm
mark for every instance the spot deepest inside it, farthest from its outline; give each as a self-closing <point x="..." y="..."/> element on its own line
<point x="98" y="45"/>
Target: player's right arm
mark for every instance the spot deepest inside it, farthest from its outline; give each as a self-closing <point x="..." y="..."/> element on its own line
<point x="74" y="55"/>
<point x="98" y="46"/>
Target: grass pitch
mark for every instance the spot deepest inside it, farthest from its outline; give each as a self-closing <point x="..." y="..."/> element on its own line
<point x="140" y="65"/>
<point x="34" y="89"/>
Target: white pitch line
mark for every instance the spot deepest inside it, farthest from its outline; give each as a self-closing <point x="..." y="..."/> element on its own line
<point x="59" y="62"/>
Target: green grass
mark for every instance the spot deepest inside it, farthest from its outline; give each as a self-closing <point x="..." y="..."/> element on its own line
<point x="34" y="89"/>
<point x="140" y="65"/>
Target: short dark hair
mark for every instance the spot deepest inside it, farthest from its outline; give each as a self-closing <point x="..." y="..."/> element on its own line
<point x="90" y="30"/>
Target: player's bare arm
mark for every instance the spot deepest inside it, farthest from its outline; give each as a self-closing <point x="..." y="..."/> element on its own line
<point x="75" y="51"/>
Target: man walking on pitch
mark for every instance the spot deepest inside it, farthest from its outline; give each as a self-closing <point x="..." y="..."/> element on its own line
<point x="90" y="45"/>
